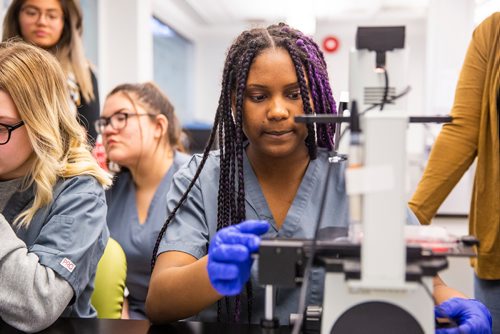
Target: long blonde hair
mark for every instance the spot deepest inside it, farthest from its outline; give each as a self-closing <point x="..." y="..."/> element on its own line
<point x="69" y="50"/>
<point x="35" y="81"/>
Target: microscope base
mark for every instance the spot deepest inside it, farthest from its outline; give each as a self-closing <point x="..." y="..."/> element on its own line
<point x="353" y="310"/>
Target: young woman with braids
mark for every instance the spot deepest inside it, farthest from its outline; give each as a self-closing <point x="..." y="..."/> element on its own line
<point x="271" y="174"/>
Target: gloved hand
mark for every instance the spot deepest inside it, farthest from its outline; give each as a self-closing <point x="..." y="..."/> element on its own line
<point x="470" y="315"/>
<point x="229" y="255"/>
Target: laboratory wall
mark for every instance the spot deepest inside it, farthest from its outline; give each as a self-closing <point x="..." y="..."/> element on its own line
<point x="119" y="42"/>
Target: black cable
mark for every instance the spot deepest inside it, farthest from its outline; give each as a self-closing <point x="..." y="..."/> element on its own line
<point x="394" y="98"/>
<point x="373" y="106"/>
<point x="429" y="293"/>
<point x="303" y="290"/>
<point x="386" y="90"/>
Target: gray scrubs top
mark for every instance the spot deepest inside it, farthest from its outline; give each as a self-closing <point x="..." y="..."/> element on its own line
<point x="138" y="240"/>
<point x="196" y="222"/>
<point x="68" y="235"/>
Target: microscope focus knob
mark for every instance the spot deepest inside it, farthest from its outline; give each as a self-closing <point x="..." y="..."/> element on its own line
<point x="312" y="319"/>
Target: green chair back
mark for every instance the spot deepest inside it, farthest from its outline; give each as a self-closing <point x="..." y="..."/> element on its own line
<point x="111" y="273"/>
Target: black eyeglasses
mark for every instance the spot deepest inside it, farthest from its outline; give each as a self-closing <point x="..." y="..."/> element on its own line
<point x="118" y="121"/>
<point x="6" y="130"/>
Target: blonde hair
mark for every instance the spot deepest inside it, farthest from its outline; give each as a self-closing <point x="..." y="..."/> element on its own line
<point x="34" y="80"/>
<point x="68" y="50"/>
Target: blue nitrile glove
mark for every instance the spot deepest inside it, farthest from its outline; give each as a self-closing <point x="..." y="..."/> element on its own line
<point x="470" y="315"/>
<point x="229" y="255"/>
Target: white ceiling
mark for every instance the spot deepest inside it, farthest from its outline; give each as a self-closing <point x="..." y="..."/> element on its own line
<point x="194" y="18"/>
<point x="224" y="12"/>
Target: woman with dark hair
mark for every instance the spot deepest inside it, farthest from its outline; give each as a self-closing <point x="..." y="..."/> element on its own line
<point x="141" y="135"/>
<point x="56" y="26"/>
<point x="271" y="175"/>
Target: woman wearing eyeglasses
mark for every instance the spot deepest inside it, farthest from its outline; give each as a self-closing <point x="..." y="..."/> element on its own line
<point x="52" y="202"/>
<point x="141" y="134"/>
<point x="56" y="26"/>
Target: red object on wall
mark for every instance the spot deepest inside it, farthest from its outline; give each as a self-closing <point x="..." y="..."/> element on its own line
<point x="330" y="44"/>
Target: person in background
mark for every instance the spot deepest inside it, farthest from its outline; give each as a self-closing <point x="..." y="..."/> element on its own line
<point x="472" y="135"/>
<point x="141" y="134"/>
<point x="270" y="175"/>
<point x="56" y="26"/>
<point x="52" y="202"/>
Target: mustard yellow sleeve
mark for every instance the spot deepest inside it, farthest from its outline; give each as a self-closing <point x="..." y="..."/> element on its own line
<point x="456" y="145"/>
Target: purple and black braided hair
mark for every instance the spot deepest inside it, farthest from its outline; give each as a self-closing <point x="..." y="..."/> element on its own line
<point x="312" y="77"/>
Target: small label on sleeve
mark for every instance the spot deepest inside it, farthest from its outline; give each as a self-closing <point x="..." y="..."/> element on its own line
<point x="66" y="263"/>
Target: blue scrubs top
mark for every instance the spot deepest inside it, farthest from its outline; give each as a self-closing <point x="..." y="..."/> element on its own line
<point x="68" y="235"/>
<point x="138" y="240"/>
<point x="196" y="221"/>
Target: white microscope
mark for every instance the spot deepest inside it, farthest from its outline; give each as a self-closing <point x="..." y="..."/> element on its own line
<point x="380" y="281"/>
